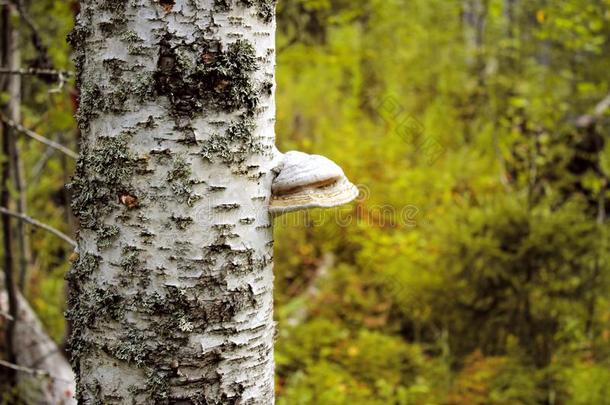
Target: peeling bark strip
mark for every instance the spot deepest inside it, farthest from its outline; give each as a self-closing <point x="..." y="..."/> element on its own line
<point x="171" y="292"/>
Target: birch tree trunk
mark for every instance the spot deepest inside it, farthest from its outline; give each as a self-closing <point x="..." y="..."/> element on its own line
<point x="171" y="291"/>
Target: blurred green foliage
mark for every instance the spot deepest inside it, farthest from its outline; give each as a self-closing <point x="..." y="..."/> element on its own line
<point x="49" y="113"/>
<point x="474" y="267"/>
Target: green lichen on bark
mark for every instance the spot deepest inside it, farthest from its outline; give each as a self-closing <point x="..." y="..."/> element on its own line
<point x="89" y="303"/>
<point x="117" y="8"/>
<point x="133" y="347"/>
<point x="265" y="9"/>
<point x="95" y="100"/>
<point x="85" y="265"/>
<point x="235" y="145"/>
<point x="113" y="5"/>
<point x="202" y="76"/>
<point x="96" y="97"/>
<point x="133" y="268"/>
<point x="82" y="304"/>
<point x="106" y="236"/>
<point x="90" y="103"/>
<point x="102" y="175"/>
<point x="77" y="38"/>
<point x="80" y="301"/>
<point x="181" y="183"/>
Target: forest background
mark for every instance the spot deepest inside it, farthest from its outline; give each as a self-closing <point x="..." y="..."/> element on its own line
<point x="474" y="267"/>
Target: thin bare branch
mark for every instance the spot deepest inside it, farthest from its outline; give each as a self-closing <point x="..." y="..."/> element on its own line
<point x="20" y="128"/>
<point x="600" y="109"/>
<point x="40" y="225"/>
<point x="61" y="82"/>
<point x="602" y="106"/>
<point x="31" y="371"/>
<point x="39" y="166"/>
<point x="36" y="72"/>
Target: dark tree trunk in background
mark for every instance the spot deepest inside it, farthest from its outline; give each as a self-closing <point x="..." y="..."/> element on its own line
<point x="10" y="85"/>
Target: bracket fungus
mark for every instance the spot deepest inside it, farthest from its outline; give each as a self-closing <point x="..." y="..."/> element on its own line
<point x="308" y="181"/>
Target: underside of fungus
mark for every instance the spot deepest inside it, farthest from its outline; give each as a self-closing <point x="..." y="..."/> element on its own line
<point x="308" y="181"/>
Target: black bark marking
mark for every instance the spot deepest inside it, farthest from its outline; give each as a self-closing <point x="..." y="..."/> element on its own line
<point x="202" y="76"/>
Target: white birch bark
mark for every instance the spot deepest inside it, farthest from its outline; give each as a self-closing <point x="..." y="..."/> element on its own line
<point x="171" y="296"/>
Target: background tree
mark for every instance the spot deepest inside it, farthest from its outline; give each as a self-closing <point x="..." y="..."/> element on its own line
<point x="33" y="369"/>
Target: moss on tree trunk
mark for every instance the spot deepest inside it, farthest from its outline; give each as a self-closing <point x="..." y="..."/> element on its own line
<point x="171" y="293"/>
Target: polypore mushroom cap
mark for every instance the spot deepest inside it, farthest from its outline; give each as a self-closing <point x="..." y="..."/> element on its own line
<point x="309" y="181"/>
